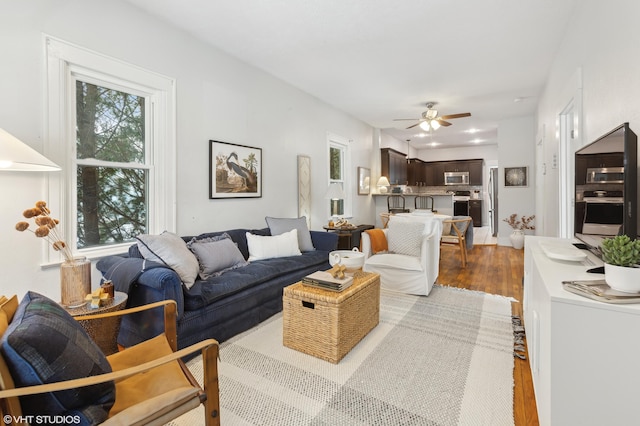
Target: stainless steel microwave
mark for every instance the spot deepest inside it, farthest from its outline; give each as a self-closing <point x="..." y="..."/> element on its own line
<point x="605" y="175"/>
<point x="456" y="178"/>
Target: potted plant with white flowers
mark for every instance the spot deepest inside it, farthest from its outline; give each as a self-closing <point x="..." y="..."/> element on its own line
<point x="621" y="256"/>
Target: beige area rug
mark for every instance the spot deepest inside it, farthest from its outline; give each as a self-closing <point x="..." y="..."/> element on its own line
<point x="445" y="359"/>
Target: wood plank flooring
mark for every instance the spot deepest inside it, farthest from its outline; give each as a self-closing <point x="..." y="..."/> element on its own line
<point x="496" y="270"/>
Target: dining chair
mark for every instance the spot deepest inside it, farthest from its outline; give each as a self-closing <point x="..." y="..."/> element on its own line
<point x="396" y="204"/>
<point x="455" y="233"/>
<point x="65" y="374"/>
<point x="384" y="219"/>
<point x="424" y="202"/>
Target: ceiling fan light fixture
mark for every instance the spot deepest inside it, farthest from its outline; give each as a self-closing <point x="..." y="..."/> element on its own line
<point x="424" y="126"/>
<point x="435" y="125"/>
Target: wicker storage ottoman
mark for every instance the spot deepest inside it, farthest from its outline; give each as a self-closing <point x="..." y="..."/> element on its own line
<point x="328" y="324"/>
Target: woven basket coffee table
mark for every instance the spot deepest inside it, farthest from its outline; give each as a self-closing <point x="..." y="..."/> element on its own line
<point x="328" y="324"/>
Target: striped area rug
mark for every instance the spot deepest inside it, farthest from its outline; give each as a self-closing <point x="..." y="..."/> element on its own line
<point x="445" y="359"/>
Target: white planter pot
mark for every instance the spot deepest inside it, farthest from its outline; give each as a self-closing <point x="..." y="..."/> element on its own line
<point x="517" y="239"/>
<point x="622" y="278"/>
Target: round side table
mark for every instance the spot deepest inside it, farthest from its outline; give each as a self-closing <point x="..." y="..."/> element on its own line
<point x="103" y="331"/>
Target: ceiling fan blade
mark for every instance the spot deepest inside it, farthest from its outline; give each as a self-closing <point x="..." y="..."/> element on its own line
<point x="412" y="126"/>
<point x="442" y="122"/>
<point x="450" y="116"/>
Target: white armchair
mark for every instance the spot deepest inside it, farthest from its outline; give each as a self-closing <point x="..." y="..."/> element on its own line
<point x="411" y="265"/>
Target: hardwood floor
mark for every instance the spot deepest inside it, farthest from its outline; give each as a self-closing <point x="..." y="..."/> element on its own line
<point x="496" y="270"/>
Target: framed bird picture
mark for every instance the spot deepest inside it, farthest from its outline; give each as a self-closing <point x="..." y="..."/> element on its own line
<point x="235" y="171"/>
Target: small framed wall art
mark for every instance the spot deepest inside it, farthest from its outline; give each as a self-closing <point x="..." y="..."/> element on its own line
<point x="516" y="176"/>
<point x="235" y="171"/>
<point x="364" y="180"/>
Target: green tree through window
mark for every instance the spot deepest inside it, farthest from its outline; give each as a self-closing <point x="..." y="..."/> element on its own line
<point x="112" y="181"/>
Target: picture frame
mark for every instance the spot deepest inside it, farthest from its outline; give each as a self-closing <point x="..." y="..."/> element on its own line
<point x="516" y="176"/>
<point x="235" y="171"/>
<point x="364" y="181"/>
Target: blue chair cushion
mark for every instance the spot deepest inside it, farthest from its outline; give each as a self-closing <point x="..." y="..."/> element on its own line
<point x="44" y="344"/>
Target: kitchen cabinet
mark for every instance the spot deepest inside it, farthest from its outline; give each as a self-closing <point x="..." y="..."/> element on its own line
<point x="416" y="172"/>
<point x="475" y="211"/>
<point x="435" y="173"/>
<point x="435" y="170"/>
<point x="475" y="172"/>
<point x="393" y="165"/>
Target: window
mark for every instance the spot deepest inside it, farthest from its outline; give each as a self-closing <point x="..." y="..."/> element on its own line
<point x="339" y="159"/>
<point x="111" y="128"/>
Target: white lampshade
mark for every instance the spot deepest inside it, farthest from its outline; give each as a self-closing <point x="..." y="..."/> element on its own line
<point x="17" y="156"/>
<point x="424" y="126"/>
<point x="334" y="192"/>
<point x="435" y="125"/>
<point x="383" y="182"/>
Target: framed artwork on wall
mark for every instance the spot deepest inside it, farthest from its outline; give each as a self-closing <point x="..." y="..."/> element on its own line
<point x="364" y="180"/>
<point x="235" y="171"/>
<point x="516" y="176"/>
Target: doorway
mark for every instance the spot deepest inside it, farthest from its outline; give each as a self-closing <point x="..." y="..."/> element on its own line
<point x="493" y="200"/>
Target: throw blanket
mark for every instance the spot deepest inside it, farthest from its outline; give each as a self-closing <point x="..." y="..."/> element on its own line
<point x="378" y="240"/>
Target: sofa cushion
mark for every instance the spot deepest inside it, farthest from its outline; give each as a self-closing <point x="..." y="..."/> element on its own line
<point x="405" y="237"/>
<point x="171" y="250"/>
<point x="216" y="255"/>
<point x="44" y="344"/>
<point x="279" y="226"/>
<point x="283" y="245"/>
<point x="206" y="292"/>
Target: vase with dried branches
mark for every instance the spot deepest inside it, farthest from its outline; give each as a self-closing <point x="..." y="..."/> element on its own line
<point x="519" y="225"/>
<point x="75" y="272"/>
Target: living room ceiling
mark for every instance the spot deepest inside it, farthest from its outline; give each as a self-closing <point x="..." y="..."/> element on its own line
<point x="384" y="59"/>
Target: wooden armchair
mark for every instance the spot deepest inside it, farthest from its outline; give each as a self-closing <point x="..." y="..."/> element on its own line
<point x="457" y="237"/>
<point x="152" y="384"/>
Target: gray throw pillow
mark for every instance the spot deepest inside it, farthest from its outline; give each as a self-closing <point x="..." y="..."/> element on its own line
<point x="171" y="250"/>
<point x="279" y="226"/>
<point x="216" y="255"/>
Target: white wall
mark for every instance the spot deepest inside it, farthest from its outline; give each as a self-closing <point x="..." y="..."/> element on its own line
<point x="601" y="45"/>
<point x="516" y="148"/>
<point x="218" y="98"/>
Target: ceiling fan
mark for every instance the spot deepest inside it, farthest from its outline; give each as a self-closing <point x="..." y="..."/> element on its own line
<point x="430" y="119"/>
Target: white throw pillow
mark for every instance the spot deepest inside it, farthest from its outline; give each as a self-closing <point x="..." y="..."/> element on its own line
<point x="405" y="237"/>
<point x="171" y="250"/>
<point x="267" y="247"/>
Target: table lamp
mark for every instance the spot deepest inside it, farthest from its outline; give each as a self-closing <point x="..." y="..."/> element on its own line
<point x="383" y="182"/>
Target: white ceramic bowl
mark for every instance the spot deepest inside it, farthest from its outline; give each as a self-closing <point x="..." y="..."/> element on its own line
<point x="351" y="259"/>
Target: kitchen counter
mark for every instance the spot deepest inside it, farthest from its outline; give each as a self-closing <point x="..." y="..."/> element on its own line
<point x="442" y="203"/>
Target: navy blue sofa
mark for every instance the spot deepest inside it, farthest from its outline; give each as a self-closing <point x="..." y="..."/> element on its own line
<point x="219" y="307"/>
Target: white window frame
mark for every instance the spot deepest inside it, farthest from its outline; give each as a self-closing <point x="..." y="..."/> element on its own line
<point x="64" y="63"/>
<point x="341" y="143"/>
